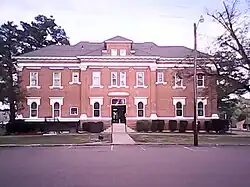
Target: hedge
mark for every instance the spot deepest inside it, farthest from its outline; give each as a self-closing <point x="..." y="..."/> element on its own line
<point x="172" y="125"/>
<point x="183" y="126"/>
<point x="20" y="126"/>
<point x="143" y="125"/>
<point x="198" y="126"/>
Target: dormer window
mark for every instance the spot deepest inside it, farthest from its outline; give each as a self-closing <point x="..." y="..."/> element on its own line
<point x="123" y="52"/>
<point x="113" y="52"/>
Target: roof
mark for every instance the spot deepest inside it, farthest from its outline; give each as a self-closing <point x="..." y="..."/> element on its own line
<point x="119" y="39"/>
<point x="85" y="48"/>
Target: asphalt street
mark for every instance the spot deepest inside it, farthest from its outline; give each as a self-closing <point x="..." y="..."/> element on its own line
<point x="120" y="166"/>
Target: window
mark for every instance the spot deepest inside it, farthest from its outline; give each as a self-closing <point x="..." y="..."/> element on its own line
<point x="96" y="109"/>
<point x="200" y="109"/>
<point x="113" y="52"/>
<point x="140" y="78"/>
<point x="56" y="109"/>
<point x="73" y="111"/>
<point x="160" y="77"/>
<point x="33" y="79"/>
<point x="140" y="109"/>
<point x="179" y="109"/>
<point x="122" y="78"/>
<point x="200" y="80"/>
<point x="34" y="109"/>
<point x="178" y="80"/>
<point x="118" y="101"/>
<point x="75" y="77"/>
<point x="96" y="78"/>
<point x="122" y="52"/>
<point x="113" y="78"/>
<point x="56" y="79"/>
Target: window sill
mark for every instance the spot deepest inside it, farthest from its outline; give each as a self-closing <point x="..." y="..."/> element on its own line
<point x="38" y="87"/>
<point x="164" y="83"/>
<point x="140" y="86"/>
<point x="96" y="86"/>
<point x="74" y="83"/>
<point x="73" y="114"/>
<point x="200" y="86"/>
<point x="113" y="86"/>
<point x="118" y="86"/>
<point x="179" y="87"/>
<point x="53" y="87"/>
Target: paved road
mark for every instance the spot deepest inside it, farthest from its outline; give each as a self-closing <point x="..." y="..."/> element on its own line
<point x="120" y="166"/>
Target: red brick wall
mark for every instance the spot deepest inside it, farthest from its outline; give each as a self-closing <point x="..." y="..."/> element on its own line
<point x="78" y="95"/>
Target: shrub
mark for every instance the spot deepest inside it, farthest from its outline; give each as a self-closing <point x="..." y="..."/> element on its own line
<point x="161" y="125"/>
<point x="198" y="126"/>
<point x="172" y="125"/>
<point x="143" y="125"/>
<point x="208" y="126"/>
<point x="183" y="126"/>
<point x="154" y="125"/>
<point x="96" y="127"/>
<point x="220" y="126"/>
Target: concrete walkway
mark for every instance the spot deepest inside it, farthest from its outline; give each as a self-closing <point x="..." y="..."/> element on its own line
<point x="119" y="135"/>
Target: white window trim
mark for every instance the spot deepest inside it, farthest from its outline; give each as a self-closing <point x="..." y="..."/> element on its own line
<point x="76" y="111"/>
<point x="163" y="81"/>
<point x="30" y="100"/>
<point x="92" y="101"/>
<point x="204" y="101"/>
<point x="37" y="86"/>
<point x="140" y="86"/>
<point x="203" y="82"/>
<point x="144" y="100"/>
<point x="54" y="100"/>
<point x="96" y="86"/>
<point x="72" y="81"/>
<point x="176" y="86"/>
<point x="111" y="79"/>
<point x="123" y="86"/>
<point x="124" y="54"/>
<point x="53" y="86"/>
<point x="183" y="102"/>
<point x="116" y="53"/>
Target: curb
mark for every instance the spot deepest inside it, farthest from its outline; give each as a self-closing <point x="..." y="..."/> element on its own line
<point x="114" y="144"/>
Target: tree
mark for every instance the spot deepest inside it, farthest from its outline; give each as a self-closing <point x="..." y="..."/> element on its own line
<point x="15" y="41"/>
<point x="232" y="50"/>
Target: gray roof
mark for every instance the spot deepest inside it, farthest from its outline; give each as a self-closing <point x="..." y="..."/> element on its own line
<point x="85" y="48"/>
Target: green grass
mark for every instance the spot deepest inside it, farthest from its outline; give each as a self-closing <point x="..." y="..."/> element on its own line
<point x="54" y="139"/>
<point x="184" y="139"/>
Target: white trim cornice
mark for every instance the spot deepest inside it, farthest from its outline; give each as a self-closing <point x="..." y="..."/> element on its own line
<point x="44" y="57"/>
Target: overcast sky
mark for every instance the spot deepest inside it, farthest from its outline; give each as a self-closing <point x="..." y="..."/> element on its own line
<point x="165" y="22"/>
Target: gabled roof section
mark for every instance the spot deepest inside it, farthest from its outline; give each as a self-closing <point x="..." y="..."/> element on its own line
<point x="119" y="39"/>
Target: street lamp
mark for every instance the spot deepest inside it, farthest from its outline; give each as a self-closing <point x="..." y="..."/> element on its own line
<point x="201" y="20"/>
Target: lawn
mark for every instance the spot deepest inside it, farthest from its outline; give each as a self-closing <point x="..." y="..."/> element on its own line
<point x="54" y="139"/>
<point x="188" y="139"/>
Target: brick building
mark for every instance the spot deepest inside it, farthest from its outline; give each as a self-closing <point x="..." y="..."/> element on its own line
<point x="87" y="80"/>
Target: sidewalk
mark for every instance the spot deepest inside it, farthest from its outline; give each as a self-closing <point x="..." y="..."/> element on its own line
<point x="119" y="135"/>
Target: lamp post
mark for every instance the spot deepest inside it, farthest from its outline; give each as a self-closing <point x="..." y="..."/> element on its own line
<point x="201" y="20"/>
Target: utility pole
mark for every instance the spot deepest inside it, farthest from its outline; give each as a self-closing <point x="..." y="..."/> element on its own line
<point x="195" y="87"/>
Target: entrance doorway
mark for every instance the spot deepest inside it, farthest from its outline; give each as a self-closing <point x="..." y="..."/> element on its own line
<point x="118" y="110"/>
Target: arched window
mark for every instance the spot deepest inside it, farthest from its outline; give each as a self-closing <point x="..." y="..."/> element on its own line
<point x="56" y="109"/>
<point x="140" y="109"/>
<point x="179" y="109"/>
<point x="200" y="109"/>
<point x="33" y="109"/>
<point x="96" y="109"/>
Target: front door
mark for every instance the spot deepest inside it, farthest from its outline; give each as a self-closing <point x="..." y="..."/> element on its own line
<point x="118" y="113"/>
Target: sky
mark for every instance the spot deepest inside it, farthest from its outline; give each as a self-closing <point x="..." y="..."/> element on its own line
<point x="164" y="22"/>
